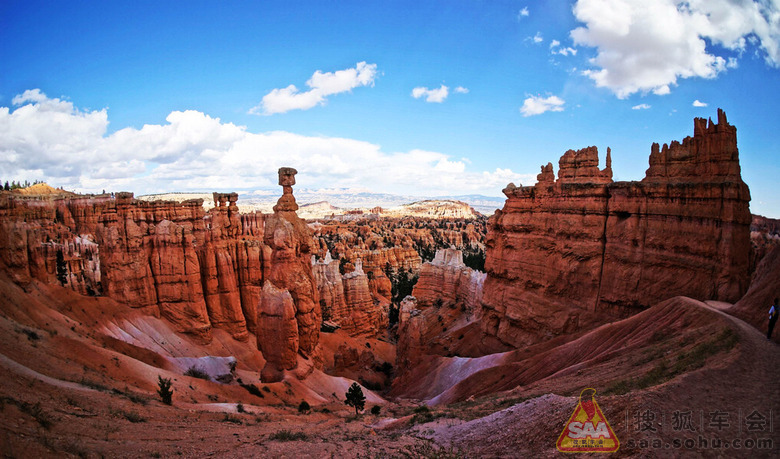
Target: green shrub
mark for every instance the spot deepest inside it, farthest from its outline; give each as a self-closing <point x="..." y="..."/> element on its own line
<point x="376" y="409"/>
<point x="197" y="372"/>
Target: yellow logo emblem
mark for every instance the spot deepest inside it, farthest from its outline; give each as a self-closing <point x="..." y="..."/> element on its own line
<point x="587" y="430"/>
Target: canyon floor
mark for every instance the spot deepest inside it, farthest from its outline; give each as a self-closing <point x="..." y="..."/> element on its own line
<point x="71" y="389"/>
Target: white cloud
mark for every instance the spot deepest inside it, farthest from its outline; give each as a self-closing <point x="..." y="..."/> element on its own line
<point x="523" y="13"/>
<point x="640" y="107"/>
<point x="49" y="139"/>
<point x="436" y="95"/>
<point x="322" y="85"/>
<point x="536" y="105"/>
<point x="538" y="38"/>
<point x="565" y="51"/>
<point x="646" y="46"/>
<point x="31" y="95"/>
<point x="698" y="103"/>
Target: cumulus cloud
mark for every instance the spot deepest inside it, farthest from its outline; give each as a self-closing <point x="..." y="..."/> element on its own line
<point x="536" y="105"/>
<point x="640" y="107"/>
<point x="436" y="95"/>
<point x="322" y="85"/>
<point x="647" y="46"/>
<point x="698" y="103"/>
<point x="537" y="38"/>
<point x="555" y="48"/>
<point x="523" y="13"/>
<point x="50" y="139"/>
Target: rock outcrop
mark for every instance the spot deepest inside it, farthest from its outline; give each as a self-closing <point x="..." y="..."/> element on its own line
<point x="197" y="269"/>
<point x="444" y="308"/>
<point x="764" y="236"/>
<point x="411" y="328"/>
<point x="446" y="281"/>
<point x="237" y="272"/>
<point x="363" y="315"/>
<point x="347" y="299"/>
<point x="567" y="254"/>
<point x="290" y="268"/>
<point x="359" y="300"/>
<point x="138" y="253"/>
<point x="277" y="332"/>
<point x="330" y="286"/>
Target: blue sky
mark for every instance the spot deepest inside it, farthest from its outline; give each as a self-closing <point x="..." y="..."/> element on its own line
<point x="174" y="96"/>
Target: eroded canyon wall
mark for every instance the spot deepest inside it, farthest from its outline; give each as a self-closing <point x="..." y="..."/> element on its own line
<point x="568" y="253"/>
<point x="195" y="268"/>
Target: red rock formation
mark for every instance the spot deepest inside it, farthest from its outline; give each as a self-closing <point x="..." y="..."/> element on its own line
<point x="277" y="332"/>
<point x="764" y="236"/>
<point x="330" y="286"/>
<point x="172" y="259"/>
<point x="175" y="271"/>
<point x="567" y="254"/>
<point x="359" y="300"/>
<point x="219" y="280"/>
<point x="376" y="262"/>
<point x="291" y="243"/>
<point x="582" y="166"/>
<point x="411" y="326"/>
<point x="445" y="305"/>
<point x="448" y="282"/>
<point x="362" y="314"/>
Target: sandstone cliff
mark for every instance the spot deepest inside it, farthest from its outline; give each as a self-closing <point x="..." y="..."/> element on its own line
<point x="445" y="308"/>
<point x="447" y="281"/>
<point x="330" y="286"/>
<point x="348" y="299"/>
<point x="136" y="253"/>
<point x="359" y="299"/>
<point x="567" y="253"/>
<point x="363" y="315"/>
<point x="172" y="259"/>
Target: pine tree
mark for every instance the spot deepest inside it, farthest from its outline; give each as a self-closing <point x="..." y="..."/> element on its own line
<point x="165" y="391"/>
<point x="355" y="398"/>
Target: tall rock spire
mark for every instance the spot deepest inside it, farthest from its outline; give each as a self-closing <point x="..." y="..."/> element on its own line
<point x="291" y="243"/>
